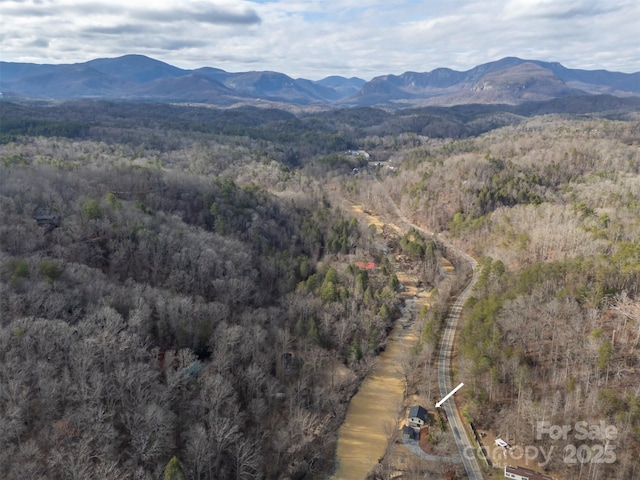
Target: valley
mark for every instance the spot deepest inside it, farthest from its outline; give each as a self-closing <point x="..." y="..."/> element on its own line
<point x="215" y="292"/>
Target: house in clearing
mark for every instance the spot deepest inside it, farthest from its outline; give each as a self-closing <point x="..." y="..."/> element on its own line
<point x="417" y="416"/>
<point x="410" y="434"/>
<point x="521" y="473"/>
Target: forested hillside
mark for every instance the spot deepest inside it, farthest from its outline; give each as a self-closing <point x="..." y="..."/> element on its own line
<point x="163" y="310"/>
<point x="180" y="295"/>
<point x="550" y="207"/>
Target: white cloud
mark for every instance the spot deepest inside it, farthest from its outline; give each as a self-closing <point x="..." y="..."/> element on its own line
<point x="315" y="38"/>
<point x="559" y="9"/>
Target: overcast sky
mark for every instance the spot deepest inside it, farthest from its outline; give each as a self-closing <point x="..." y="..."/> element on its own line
<point x="317" y="38"/>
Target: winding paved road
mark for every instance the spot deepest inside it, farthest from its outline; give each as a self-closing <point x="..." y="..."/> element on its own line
<point x="465" y="445"/>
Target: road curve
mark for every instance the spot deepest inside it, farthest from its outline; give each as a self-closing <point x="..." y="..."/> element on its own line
<point x="466" y="446"/>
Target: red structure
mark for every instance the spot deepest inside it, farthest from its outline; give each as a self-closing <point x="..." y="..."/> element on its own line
<point x="366" y="265"/>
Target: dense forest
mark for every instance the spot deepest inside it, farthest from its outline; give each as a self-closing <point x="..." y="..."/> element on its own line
<point x="550" y="208"/>
<point x="175" y="299"/>
<point x="180" y="295"/>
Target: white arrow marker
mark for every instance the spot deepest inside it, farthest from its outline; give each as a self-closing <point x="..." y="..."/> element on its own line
<point x="448" y="395"/>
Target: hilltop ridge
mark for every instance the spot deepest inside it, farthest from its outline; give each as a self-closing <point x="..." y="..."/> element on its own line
<point x="510" y="80"/>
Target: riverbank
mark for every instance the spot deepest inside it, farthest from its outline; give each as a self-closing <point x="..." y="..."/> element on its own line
<point x="372" y="421"/>
<point x="369" y="440"/>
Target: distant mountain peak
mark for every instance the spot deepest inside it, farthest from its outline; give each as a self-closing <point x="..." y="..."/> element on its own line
<point x="136" y="68"/>
<point x="526" y="81"/>
<point x="135" y="76"/>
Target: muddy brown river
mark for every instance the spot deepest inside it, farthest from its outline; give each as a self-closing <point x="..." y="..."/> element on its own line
<point x="374" y="410"/>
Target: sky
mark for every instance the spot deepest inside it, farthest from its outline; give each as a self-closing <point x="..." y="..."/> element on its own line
<point x="316" y="38"/>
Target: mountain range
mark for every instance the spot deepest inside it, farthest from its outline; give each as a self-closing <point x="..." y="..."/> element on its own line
<point x="510" y="80"/>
